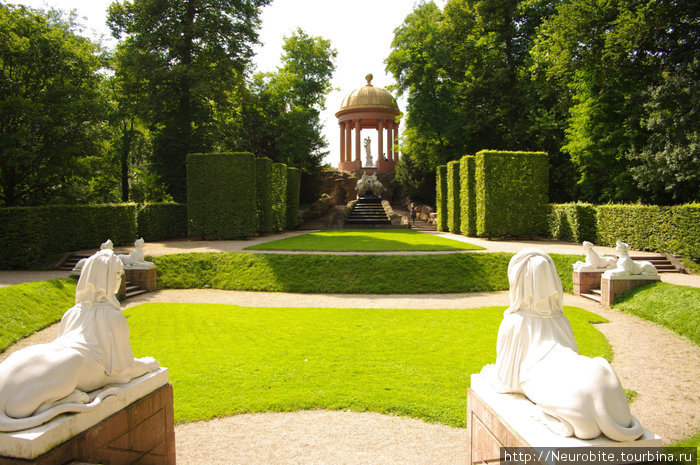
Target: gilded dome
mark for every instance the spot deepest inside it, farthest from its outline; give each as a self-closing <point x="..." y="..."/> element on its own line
<point x="369" y="97"/>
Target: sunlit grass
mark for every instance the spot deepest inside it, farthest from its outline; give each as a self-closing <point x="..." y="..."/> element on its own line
<point x="225" y="360"/>
<point x="363" y="240"/>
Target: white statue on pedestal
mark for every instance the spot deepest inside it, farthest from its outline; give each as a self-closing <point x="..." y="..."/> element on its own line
<point x="369" y="184"/>
<point x="626" y="267"/>
<point x="136" y="259"/>
<point x="537" y="355"/>
<point x="368" y="150"/>
<point x="92" y="351"/>
<point x="594" y="262"/>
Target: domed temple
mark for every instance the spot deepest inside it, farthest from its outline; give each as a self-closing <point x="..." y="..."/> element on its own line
<point x="368" y="107"/>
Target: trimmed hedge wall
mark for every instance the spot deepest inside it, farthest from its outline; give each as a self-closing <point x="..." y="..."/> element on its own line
<point x="511" y="193"/>
<point x="467" y="193"/>
<point x="574" y="222"/>
<point x="278" y="190"/>
<point x="441" y="198"/>
<point x="31" y="235"/>
<point x="221" y="196"/>
<point x="263" y="170"/>
<point x="159" y="221"/>
<point x="673" y="230"/>
<point x="453" y="198"/>
<point x="292" y="197"/>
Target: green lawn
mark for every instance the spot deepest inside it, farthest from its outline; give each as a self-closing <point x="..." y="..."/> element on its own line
<point x="344" y="274"/>
<point x="225" y="360"/>
<point x="362" y="240"/>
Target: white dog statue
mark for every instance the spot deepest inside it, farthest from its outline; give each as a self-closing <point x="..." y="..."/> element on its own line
<point x="537" y="355"/>
<point x="92" y="351"/>
<point x="594" y="262"/>
<point x="628" y="267"/>
<point x="136" y="258"/>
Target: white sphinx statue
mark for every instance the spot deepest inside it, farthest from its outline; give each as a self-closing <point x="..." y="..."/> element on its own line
<point x="369" y="184"/>
<point x="594" y="262"/>
<point x="136" y="259"/>
<point x="92" y="351"/>
<point x="537" y="356"/>
<point x="626" y="267"/>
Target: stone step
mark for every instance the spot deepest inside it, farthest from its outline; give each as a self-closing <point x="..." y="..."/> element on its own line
<point x="594" y="297"/>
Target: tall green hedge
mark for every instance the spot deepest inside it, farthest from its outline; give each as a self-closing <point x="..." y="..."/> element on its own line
<point x="159" y="221"/>
<point x="221" y="195"/>
<point x="673" y="230"/>
<point x="453" y="198"/>
<point x="278" y="184"/>
<point x="263" y="169"/>
<point x="441" y="197"/>
<point x="292" y="197"/>
<point x="574" y="222"/>
<point x="511" y="193"/>
<point x="33" y="235"/>
<point x="467" y="193"/>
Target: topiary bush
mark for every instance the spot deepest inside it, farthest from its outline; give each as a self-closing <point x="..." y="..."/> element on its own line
<point x="672" y="230"/>
<point x="263" y="170"/>
<point x="467" y="193"/>
<point x="574" y="222"/>
<point x="164" y="220"/>
<point x="441" y="197"/>
<point x="221" y="195"/>
<point x="511" y="193"/>
<point x="292" y="197"/>
<point x="33" y="235"/>
<point x="453" y="198"/>
<point x="278" y="189"/>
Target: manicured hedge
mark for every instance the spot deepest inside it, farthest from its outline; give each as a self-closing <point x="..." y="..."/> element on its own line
<point x="511" y="193"/>
<point x="673" y="230"/>
<point x="278" y="189"/>
<point x="453" y="198"/>
<point x="467" y="192"/>
<point x="292" y="197"/>
<point x="33" y="235"/>
<point x="574" y="222"/>
<point x="441" y="198"/>
<point x="263" y="169"/>
<point x="221" y="195"/>
<point x="159" y="221"/>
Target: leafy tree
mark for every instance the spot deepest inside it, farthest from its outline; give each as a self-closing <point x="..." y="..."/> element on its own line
<point x="186" y="55"/>
<point x="50" y="106"/>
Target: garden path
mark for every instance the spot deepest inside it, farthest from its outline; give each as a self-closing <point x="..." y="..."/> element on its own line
<point x="660" y="366"/>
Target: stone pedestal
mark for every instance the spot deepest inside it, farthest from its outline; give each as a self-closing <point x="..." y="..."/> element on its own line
<point x="143" y="278"/>
<point x="497" y="420"/>
<point x="138" y="428"/>
<point x="611" y="288"/>
<point x="584" y="281"/>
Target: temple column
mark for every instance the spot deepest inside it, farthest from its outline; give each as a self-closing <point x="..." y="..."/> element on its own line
<point x="396" y="142"/>
<point x="389" y="141"/>
<point x="380" y="143"/>
<point x="358" y="144"/>
<point x="348" y="141"/>
<point x="342" y="142"/>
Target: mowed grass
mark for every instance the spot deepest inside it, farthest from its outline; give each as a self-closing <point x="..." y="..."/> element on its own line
<point x="226" y="360"/>
<point x="358" y="240"/>
<point x="675" y="307"/>
<point x="344" y="274"/>
<point x="29" y="307"/>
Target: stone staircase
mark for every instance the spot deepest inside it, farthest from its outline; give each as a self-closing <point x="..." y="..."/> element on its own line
<point x="70" y="260"/>
<point x="368" y="213"/>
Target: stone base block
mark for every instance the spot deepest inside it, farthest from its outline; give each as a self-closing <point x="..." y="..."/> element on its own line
<point x="496" y="420"/>
<point x="120" y="432"/>
<point x="145" y="279"/>
<point x="584" y="281"/>
<point x="612" y="288"/>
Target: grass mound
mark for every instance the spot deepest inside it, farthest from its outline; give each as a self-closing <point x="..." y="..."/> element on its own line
<point x="29" y="307"/>
<point x="225" y="360"/>
<point x="356" y="240"/>
<point x="344" y="274"/>
<point x="675" y="307"/>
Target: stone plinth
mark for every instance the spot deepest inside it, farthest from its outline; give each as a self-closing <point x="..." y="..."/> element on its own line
<point x="613" y="287"/>
<point x="584" y="281"/>
<point x="497" y="420"/>
<point x="143" y="278"/>
<point x="135" y="429"/>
